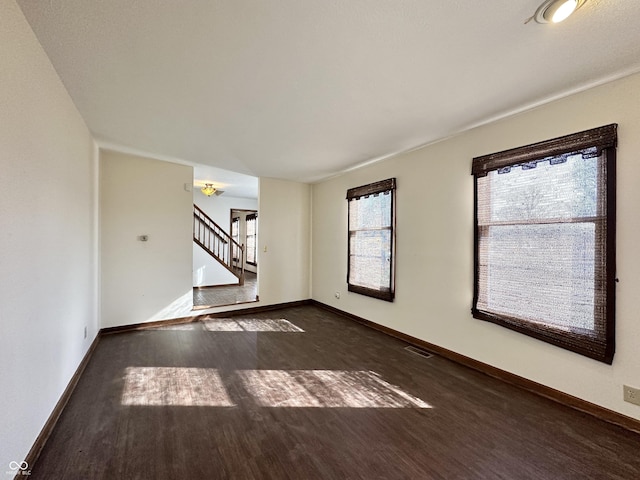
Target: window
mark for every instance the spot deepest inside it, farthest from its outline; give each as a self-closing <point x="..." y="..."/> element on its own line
<point x="545" y="241"/>
<point x="252" y="234"/>
<point x="372" y="239"/>
<point x="235" y="235"/>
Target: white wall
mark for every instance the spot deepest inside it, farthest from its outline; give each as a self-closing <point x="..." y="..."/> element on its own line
<point x="219" y="208"/>
<point x="206" y="270"/>
<point x="435" y="246"/>
<point x="48" y="240"/>
<point x="284" y="231"/>
<point x="144" y="281"/>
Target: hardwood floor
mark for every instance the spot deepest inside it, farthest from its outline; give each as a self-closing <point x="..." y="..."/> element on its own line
<point x="302" y="393"/>
<point x="227" y="295"/>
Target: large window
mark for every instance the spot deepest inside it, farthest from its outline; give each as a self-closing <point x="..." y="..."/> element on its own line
<point x="252" y="237"/>
<point x="545" y="241"/>
<point x="371" y="239"/>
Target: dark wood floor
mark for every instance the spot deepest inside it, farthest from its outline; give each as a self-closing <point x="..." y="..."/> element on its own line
<point x="304" y="394"/>
<point x="227" y="295"/>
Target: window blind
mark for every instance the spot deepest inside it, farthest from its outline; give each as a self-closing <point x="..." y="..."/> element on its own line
<point x="371" y="225"/>
<point x="545" y="241"/>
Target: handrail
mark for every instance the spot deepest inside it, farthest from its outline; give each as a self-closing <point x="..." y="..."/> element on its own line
<point x="218" y="243"/>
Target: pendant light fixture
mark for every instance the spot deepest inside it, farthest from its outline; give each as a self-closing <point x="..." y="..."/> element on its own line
<point x="555" y="11"/>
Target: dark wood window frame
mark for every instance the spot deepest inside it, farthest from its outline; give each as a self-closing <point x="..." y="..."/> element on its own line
<point x="384" y="187"/>
<point x="600" y="143"/>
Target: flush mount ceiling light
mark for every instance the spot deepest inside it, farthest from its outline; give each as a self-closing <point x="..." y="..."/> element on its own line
<point x="208" y="189"/>
<point x="555" y="11"/>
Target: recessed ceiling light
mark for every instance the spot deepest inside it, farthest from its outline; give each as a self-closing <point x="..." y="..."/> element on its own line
<point x="555" y="11"/>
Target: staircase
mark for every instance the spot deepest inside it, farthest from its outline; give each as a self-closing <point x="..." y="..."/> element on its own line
<point x="218" y="243"/>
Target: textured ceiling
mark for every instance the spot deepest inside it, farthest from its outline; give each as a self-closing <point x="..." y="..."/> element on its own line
<point x="304" y="89"/>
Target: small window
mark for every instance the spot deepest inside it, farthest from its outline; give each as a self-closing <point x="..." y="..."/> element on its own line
<point x="545" y="241"/>
<point x="252" y="237"/>
<point x="371" y="243"/>
<point x="235" y="235"/>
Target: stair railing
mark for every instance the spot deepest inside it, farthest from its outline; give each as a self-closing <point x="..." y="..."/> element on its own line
<point x="218" y="243"/>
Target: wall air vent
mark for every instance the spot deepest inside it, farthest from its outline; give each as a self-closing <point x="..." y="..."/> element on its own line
<point x="418" y="351"/>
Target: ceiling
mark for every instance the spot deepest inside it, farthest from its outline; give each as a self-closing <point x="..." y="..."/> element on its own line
<point x="232" y="184"/>
<point x="305" y="89"/>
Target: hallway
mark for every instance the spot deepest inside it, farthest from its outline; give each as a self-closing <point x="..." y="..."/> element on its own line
<point x="228" y="294"/>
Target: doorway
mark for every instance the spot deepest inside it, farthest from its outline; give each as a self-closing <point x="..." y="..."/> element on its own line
<point x="243" y="229"/>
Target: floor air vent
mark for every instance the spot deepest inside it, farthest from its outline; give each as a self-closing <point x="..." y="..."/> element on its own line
<point x="418" y="351"/>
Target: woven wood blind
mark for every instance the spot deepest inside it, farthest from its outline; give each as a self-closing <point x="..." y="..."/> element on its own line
<point x="545" y="241"/>
<point x="371" y="239"/>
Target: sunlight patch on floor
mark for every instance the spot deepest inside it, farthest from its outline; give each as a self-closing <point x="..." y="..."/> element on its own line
<point x="325" y="388"/>
<point x="250" y="325"/>
<point x="174" y="386"/>
<point x="179" y="386"/>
